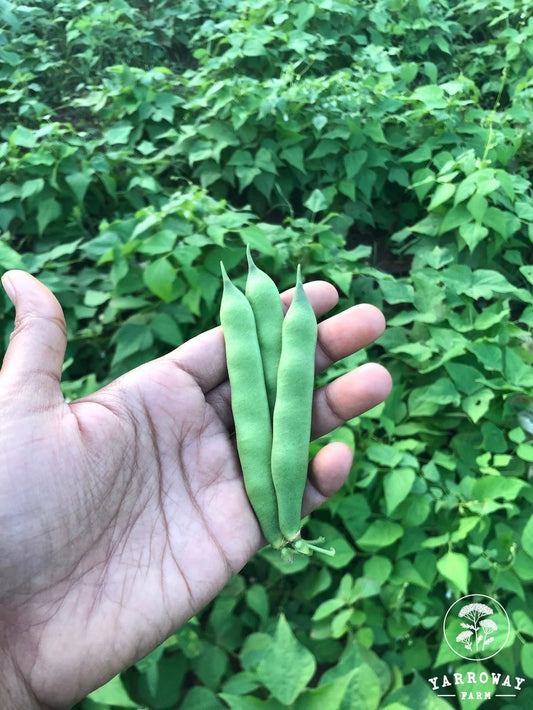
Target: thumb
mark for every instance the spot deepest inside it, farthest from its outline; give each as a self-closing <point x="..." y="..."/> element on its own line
<point x="34" y="358"/>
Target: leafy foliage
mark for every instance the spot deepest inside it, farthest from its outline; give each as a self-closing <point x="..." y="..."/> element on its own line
<point x="387" y="147"/>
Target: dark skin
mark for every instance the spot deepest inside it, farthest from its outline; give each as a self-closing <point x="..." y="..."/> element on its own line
<point x="123" y="514"/>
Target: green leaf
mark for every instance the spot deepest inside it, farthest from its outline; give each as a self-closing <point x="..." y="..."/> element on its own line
<point x="488" y="354"/>
<point x="525" y="452"/>
<point x="319" y="121"/>
<point x="415" y="510"/>
<point x="9" y="191"/>
<point x="491" y="487"/>
<point x="354" y="161"/>
<point x="486" y="181"/>
<point x="161" y="242"/>
<point x="113" y="693"/>
<point x="517" y="372"/>
<point x="492" y="315"/>
<point x="524" y="210"/>
<point x="94" y="299"/>
<point x="161" y="678"/>
<point x="363" y="588"/>
<point x="118" y="133"/>
<point x="245" y="702"/>
<point x="478" y="283"/>
<point x="435" y="256"/>
<point x="527" y="537"/>
<point x="56" y="253"/>
<point x="443" y="193"/>
<point x="397" y="485"/>
<point x="325" y="147"/>
<point x="466" y="378"/>
<point x="329" y="695"/>
<point x="454" y="567"/>
<point x="419" y="155"/>
<point x="502" y="222"/>
<point x="418" y="694"/>
<point x="357" y="656"/>
<point x="258" y="238"/>
<point x="9" y="258"/>
<point x="379" y="534"/>
<point x="454" y="217"/>
<point x="477" y="206"/>
<point x="253" y="47"/>
<point x="210" y="665"/>
<point x="24" y="137"/>
<point x="47" y="212"/>
<point x="408" y="71"/>
<point x="407" y="572"/>
<point x="287" y="665"/>
<point x="466" y="524"/>
<point x="384" y="454"/>
<point x="378" y="568"/>
<point x="426" y="401"/>
<point x="79" y="182"/>
<point x="240" y="683"/>
<point x="431" y="95"/>
<point x="494" y="439"/>
<point x="354" y="511"/>
<point x="527" y="272"/>
<point x="397" y="291"/>
<point x="257" y="599"/>
<point x="348" y="188"/>
<point x="344" y="552"/>
<point x="472" y="234"/>
<point x="526" y="659"/>
<point x="130" y="339"/>
<point x="465" y="189"/>
<point x="201" y="698"/>
<point x="246" y="175"/>
<point x="32" y="187"/>
<point x="166" y="329"/>
<point x="294" y="156"/>
<point x="363" y="690"/>
<point x="327" y="608"/>
<point x="159" y="276"/>
<point x="317" y="201"/>
<point x="419" y="352"/>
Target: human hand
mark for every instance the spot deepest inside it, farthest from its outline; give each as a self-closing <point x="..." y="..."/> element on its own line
<point x="123" y="513"/>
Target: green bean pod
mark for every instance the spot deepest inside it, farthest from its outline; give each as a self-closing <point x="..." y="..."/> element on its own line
<point x="292" y="412"/>
<point x="249" y="404"/>
<point x="262" y="294"/>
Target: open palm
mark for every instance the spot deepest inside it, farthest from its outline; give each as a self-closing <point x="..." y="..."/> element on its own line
<point x="123" y="513"/>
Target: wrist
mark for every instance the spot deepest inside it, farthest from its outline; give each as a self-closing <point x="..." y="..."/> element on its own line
<point x="15" y="689"/>
<point x="14" y="692"/>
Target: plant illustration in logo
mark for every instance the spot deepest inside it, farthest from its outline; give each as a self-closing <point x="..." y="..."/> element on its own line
<point x="476" y="627"/>
<point x="479" y="630"/>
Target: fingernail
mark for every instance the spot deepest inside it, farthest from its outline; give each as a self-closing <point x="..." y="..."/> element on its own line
<point x="9" y="288"/>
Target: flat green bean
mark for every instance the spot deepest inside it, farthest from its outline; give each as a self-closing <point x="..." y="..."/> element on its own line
<point x="263" y="296"/>
<point x="292" y="411"/>
<point x="249" y="403"/>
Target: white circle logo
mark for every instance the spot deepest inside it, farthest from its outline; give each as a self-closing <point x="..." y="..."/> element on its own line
<point x="476" y="627"/>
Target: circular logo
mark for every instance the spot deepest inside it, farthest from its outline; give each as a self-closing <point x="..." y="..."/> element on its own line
<point x="476" y="627"/>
